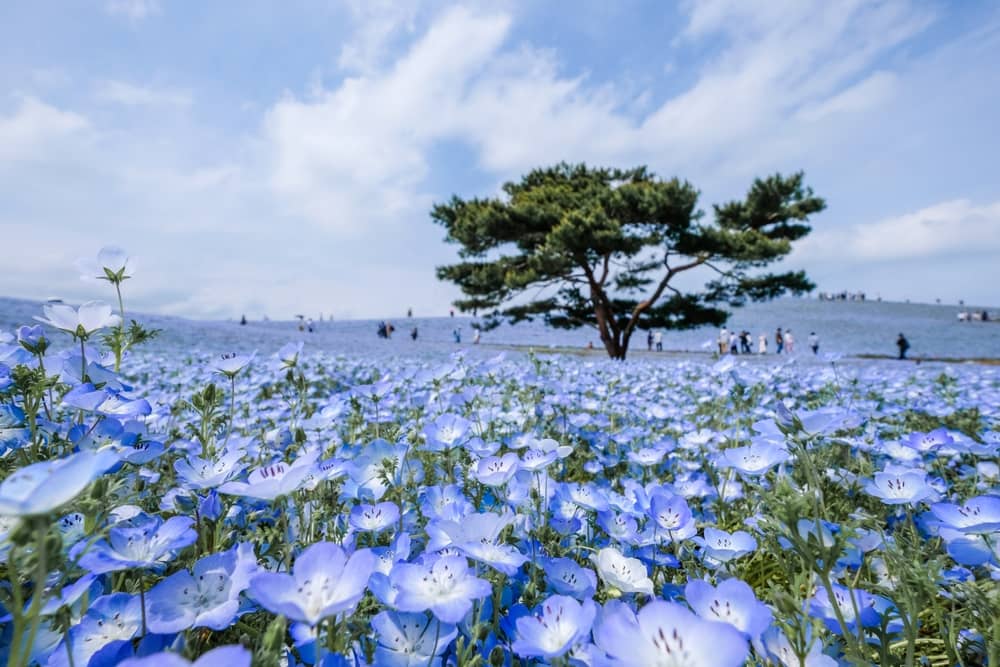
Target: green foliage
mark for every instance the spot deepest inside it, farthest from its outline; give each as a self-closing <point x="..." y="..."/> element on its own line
<point x="602" y="247"/>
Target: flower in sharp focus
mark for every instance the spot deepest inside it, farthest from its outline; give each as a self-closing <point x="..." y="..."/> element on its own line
<point x="208" y="596"/>
<point x="446" y="587"/>
<point x="559" y="623"/>
<point x="410" y="639"/>
<point x="627" y="575"/>
<point x="374" y="518"/>
<point x="904" y="487"/>
<point x="145" y="542"/>
<point x="81" y="322"/>
<point x="115" y="618"/>
<point x="324" y="582"/>
<point x="724" y="547"/>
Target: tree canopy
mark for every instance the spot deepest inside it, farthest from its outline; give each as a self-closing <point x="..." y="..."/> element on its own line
<point x="577" y="245"/>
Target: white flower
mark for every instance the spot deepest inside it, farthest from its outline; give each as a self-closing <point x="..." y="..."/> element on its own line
<point x="231" y="363"/>
<point x="628" y="575"/>
<point x="81" y="323"/>
<point x="113" y="264"/>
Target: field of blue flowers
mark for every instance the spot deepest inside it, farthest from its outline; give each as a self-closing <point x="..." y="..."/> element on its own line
<point x="288" y="507"/>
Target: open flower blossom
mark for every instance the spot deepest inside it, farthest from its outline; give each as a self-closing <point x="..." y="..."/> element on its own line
<point x="408" y="639"/>
<point x="143" y="542"/>
<point x="208" y="596"/>
<point x="724" y="547"/>
<point x="626" y="575"/>
<point x="732" y="602"/>
<point x="559" y="623"/>
<point x="900" y="487"/>
<point x="230" y="364"/>
<point x="446" y="587"/>
<point x="112" y="264"/>
<point x="80" y="322"/>
<point x="665" y="633"/>
<point x="325" y="581"/>
<point x="980" y="515"/>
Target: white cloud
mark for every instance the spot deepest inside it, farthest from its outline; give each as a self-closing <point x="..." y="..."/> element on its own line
<point x="134" y="10"/>
<point x="356" y="155"/>
<point x="377" y="23"/>
<point x="34" y="127"/>
<point x="958" y="227"/>
<point x="131" y="95"/>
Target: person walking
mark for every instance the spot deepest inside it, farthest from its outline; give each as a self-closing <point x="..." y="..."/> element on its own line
<point x="475" y="337"/>
<point x="779" y="341"/>
<point x="733" y="345"/>
<point x="457" y="335"/>
<point x="414" y="333"/>
<point x="649" y="340"/>
<point x="723" y="340"/>
<point x="762" y="344"/>
<point x="658" y="341"/>
<point x="814" y="342"/>
<point x="789" y="342"/>
<point x="903" y="346"/>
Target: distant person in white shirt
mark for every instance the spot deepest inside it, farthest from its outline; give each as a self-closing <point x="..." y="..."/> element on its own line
<point x="814" y="342"/>
<point x="733" y="343"/>
<point x="762" y="344"/>
<point x="723" y="340"/>
<point x="475" y="337"/>
<point x="789" y="341"/>
<point x="658" y="341"/>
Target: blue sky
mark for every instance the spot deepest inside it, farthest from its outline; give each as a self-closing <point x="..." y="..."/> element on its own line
<point x="261" y="157"/>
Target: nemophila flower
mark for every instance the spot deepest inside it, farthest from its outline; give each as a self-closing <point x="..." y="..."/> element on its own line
<point x="566" y="577"/>
<point x="324" y="582"/>
<point x="288" y="354"/>
<point x="724" y="547"/>
<point x="82" y="322"/>
<point x="756" y="459"/>
<point x="672" y="515"/>
<point x="647" y="456"/>
<point x="145" y="542"/>
<point x="626" y="575"/>
<point x="387" y="557"/>
<point x="32" y="339"/>
<point x="374" y="518"/>
<point x="620" y="526"/>
<point x="496" y="470"/>
<point x="929" y="442"/>
<point x="780" y="649"/>
<point x="223" y="656"/>
<point x="732" y="602"/>
<point x="980" y="515"/>
<point x="586" y="496"/>
<point x="821" y="606"/>
<point x="111" y="619"/>
<point x="446" y="432"/>
<point x="558" y="624"/>
<point x="410" y="639"/>
<point x="112" y="264"/>
<point x="231" y="363"/>
<point x="445" y="503"/>
<point x="198" y="473"/>
<point x="42" y="487"/>
<point x="105" y="402"/>
<point x="274" y="480"/>
<point x="478" y="537"/>
<point x="666" y="634"/>
<point x="907" y="487"/>
<point x="536" y="460"/>
<point x="446" y="587"/>
<point x="208" y="596"/>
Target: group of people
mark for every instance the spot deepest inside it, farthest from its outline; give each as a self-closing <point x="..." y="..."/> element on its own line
<point x="974" y="316"/>
<point x="654" y="338"/>
<point x="385" y="329"/>
<point x="741" y="342"/>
